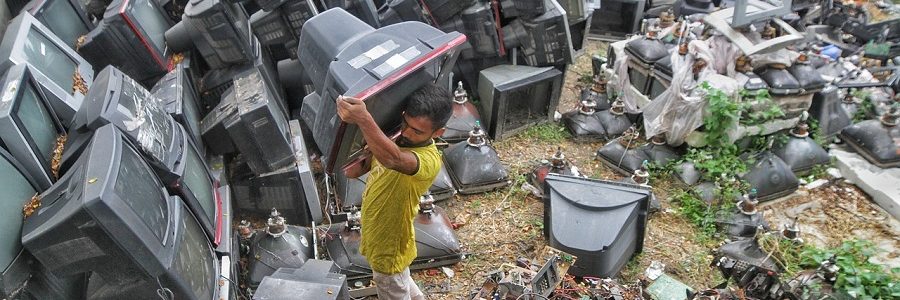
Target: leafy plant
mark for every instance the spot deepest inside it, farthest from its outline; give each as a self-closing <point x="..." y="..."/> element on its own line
<point x="724" y="114"/>
<point x="857" y="277"/>
<point x="866" y="107"/>
<point x="751" y="100"/>
<point x="699" y="213"/>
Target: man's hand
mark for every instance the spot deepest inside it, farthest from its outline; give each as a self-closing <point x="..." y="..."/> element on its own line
<point x="352" y="110"/>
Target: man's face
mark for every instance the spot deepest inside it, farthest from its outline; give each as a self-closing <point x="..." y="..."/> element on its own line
<point x="417" y="131"/>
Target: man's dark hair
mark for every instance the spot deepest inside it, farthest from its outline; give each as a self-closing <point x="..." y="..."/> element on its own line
<point x="432" y="101"/>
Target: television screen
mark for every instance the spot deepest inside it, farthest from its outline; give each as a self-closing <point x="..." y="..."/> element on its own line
<point x="150" y="19"/>
<point x="66" y="18"/>
<point x="49" y="59"/>
<point x="198" y="189"/>
<point x="17" y="189"/>
<point x="111" y="215"/>
<point x="62" y="73"/>
<point x="195" y="262"/>
<point x="28" y="127"/>
<point x="617" y="19"/>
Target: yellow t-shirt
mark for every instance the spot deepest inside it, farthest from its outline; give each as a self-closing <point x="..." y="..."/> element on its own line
<point x="390" y="203"/>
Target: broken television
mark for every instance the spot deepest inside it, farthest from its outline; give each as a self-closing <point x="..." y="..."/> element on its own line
<point x="515" y="97"/>
<point x="119" y="222"/>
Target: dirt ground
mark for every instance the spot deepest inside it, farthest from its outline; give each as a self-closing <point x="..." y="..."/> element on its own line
<point x="499" y="227"/>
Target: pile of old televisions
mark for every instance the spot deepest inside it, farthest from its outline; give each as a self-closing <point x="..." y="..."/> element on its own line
<point x="136" y="134"/>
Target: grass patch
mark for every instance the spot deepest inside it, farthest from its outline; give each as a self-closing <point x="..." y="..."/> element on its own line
<point x="701" y="214"/>
<point x="548" y="132"/>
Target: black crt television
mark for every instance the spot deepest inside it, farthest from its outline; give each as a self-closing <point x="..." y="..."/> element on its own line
<point x="130" y="37"/>
<point x="514" y="97"/>
<point x="439" y="11"/>
<point x="603" y="223"/>
<point x="364" y="10"/>
<point x="344" y="56"/>
<point x="544" y="40"/>
<point x="20" y="275"/>
<point x="479" y="23"/>
<point x="64" y="74"/>
<point x="177" y="91"/>
<point x="281" y="26"/>
<point x="396" y="11"/>
<point x="200" y="191"/>
<point x="215" y="82"/>
<point x="261" y="133"/>
<point x="29" y="129"/>
<point x="119" y="100"/>
<point x="218" y="29"/>
<point x="66" y="18"/>
<point x="110" y="215"/>
<point x="617" y="18"/>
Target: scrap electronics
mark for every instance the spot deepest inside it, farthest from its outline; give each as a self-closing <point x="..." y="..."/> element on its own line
<point x="191" y="149"/>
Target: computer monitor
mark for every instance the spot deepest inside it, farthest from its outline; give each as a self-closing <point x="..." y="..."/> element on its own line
<point x="344" y="56"/>
<point x="548" y="41"/>
<point x="66" y="18"/>
<point x="180" y="97"/>
<point x="218" y="29"/>
<point x="261" y="133"/>
<point x="119" y="100"/>
<point x="515" y="97"/>
<point x="478" y="23"/>
<point x="64" y="75"/>
<point x="130" y="37"/>
<point x="28" y="127"/>
<point x="110" y="215"/>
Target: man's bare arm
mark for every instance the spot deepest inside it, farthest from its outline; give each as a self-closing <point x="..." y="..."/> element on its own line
<point x="359" y="169"/>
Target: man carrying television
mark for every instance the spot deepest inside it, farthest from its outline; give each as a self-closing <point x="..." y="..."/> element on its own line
<point x="399" y="173"/>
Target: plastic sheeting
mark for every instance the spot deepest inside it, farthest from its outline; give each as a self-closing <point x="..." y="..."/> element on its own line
<point x="678" y="111"/>
<point x="623" y="82"/>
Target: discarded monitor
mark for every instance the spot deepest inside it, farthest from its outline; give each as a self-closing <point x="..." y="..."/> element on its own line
<point x="199" y="190"/>
<point x="63" y="74"/>
<point x="396" y="11"/>
<point x="131" y="37"/>
<point x="659" y="152"/>
<point x="180" y="97"/>
<point x="111" y="206"/>
<point x="623" y="153"/>
<point x="474" y="165"/>
<point x="642" y="55"/>
<point x="317" y="279"/>
<point x="876" y="140"/>
<point x="262" y="132"/>
<point x="478" y="23"/>
<point x="801" y="153"/>
<point x="344" y="56"/>
<point x="749" y="266"/>
<point x="746" y="220"/>
<point x="212" y="127"/>
<point x="515" y="97"/>
<point x="463" y="118"/>
<point x="29" y="129"/>
<point x="218" y="29"/>
<point x="282" y="25"/>
<point x="66" y="18"/>
<point x="730" y="21"/>
<point x="117" y="99"/>
<point x="771" y="177"/>
<point x="214" y="83"/>
<point x="583" y="123"/>
<point x="601" y="222"/>
<point x="547" y="40"/>
<point x="22" y="277"/>
<point x="442" y="188"/>
<point x="617" y="19"/>
<point x="278" y="246"/>
<point x="292" y="189"/>
<point x="442" y="10"/>
<point x="826" y="109"/>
